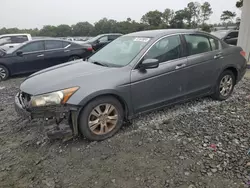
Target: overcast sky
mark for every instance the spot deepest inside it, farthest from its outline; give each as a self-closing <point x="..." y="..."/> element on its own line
<point x="36" y="13"/>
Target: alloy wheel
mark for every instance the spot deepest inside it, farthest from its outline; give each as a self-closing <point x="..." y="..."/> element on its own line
<point x="3" y="73"/>
<point x="226" y="85"/>
<point x="103" y="119"/>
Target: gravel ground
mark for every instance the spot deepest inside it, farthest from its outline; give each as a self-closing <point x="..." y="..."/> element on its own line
<point x="202" y="143"/>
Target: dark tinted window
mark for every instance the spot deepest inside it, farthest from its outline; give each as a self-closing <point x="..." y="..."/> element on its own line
<point x="33" y="47"/>
<point x="113" y="37"/>
<point x="233" y="34"/>
<point x="215" y="44"/>
<point x="19" y="39"/>
<point x="166" y="49"/>
<point x="13" y="39"/>
<point x="65" y="44"/>
<point x="53" y="44"/>
<point x="103" y="39"/>
<point x="197" y="44"/>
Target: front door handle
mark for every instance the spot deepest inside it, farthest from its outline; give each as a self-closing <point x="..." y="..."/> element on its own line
<point x="41" y="55"/>
<point x="66" y="50"/>
<point x="180" y="66"/>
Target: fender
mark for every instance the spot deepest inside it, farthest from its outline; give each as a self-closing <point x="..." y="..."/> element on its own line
<point x="123" y="98"/>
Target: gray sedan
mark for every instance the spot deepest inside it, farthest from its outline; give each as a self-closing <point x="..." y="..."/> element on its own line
<point x="136" y="73"/>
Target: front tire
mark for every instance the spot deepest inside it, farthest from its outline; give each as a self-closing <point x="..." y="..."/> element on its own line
<point x="101" y="118"/>
<point x="4" y="73"/>
<point x="225" y="85"/>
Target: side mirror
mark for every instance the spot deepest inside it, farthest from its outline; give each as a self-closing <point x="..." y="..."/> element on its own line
<point x="227" y="37"/>
<point x="19" y="53"/>
<point x="149" y="64"/>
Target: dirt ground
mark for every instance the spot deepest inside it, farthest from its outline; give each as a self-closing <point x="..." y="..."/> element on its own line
<point x="202" y="143"/>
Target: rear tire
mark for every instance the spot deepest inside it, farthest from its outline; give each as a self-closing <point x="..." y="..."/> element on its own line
<point x="101" y="118"/>
<point x="224" y="86"/>
<point x="73" y="58"/>
<point x="4" y="73"/>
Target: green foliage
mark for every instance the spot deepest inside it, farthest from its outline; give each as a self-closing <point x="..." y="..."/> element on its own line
<point x="153" y="18"/>
<point x="206" y="12"/>
<point x="239" y="4"/>
<point x="206" y="27"/>
<point x="227" y="15"/>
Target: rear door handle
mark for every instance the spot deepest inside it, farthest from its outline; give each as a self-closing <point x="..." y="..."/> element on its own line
<point x="66" y="50"/>
<point x="218" y="56"/>
<point x="180" y="66"/>
<point x="41" y="55"/>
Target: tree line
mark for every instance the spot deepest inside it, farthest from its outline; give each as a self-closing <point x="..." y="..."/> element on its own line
<point x="194" y="15"/>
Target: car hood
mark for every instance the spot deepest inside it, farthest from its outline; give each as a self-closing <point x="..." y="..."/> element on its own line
<point x="62" y="76"/>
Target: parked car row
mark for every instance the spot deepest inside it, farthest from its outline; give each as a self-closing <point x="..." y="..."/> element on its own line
<point x="134" y="74"/>
<point x="39" y="54"/>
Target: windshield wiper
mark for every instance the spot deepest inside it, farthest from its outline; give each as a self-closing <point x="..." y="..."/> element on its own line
<point x="100" y="63"/>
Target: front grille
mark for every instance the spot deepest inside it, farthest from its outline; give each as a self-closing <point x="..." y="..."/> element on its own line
<point x="25" y="99"/>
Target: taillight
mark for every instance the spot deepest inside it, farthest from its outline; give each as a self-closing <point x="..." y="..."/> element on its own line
<point x="243" y="53"/>
<point x="90" y="49"/>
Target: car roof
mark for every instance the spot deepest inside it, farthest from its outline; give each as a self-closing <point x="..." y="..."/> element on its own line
<point x="160" y="32"/>
<point x="17" y="34"/>
<point x="110" y="34"/>
<point x="44" y="39"/>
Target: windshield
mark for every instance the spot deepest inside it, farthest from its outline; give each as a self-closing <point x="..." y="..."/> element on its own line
<point x="219" y="34"/>
<point x="11" y="50"/>
<point x="121" y="51"/>
<point x="2" y="52"/>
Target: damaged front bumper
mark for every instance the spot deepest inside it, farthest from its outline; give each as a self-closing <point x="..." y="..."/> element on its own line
<point x="58" y="113"/>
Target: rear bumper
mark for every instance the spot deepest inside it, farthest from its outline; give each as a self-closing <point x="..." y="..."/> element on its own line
<point x="242" y="74"/>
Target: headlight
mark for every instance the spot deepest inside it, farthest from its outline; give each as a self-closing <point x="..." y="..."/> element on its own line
<point x="54" y="98"/>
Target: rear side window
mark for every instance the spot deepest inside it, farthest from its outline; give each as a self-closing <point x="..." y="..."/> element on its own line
<point x="33" y="47"/>
<point x="13" y="39"/>
<point x="215" y="44"/>
<point x="50" y="44"/>
<point x="197" y="44"/>
<point x="65" y="44"/>
<point x="166" y="49"/>
<point x="233" y="34"/>
<point x="19" y="39"/>
<point x="113" y="37"/>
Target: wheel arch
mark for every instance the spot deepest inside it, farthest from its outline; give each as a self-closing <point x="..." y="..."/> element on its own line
<point x="2" y="64"/>
<point x="112" y="93"/>
<point x="234" y="70"/>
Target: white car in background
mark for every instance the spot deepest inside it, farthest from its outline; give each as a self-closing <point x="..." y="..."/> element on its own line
<point x="11" y="40"/>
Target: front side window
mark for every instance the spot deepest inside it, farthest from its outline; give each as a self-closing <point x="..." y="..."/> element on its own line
<point x="33" y="47"/>
<point x="197" y="44"/>
<point x="166" y="49"/>
<point x="103" y="39"/>
<point x="121" y="51"/>
<point x="215" y="44"/>
<point x="50" y="45"/>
